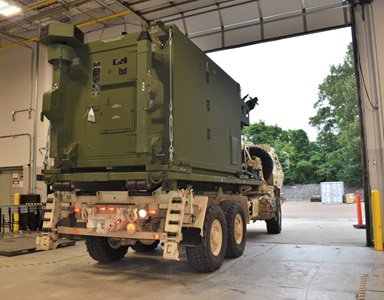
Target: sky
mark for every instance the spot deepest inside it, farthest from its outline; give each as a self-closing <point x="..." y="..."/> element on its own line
<point x="285" y="75"/>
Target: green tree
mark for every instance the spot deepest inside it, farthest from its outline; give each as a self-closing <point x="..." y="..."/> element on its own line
<point x="259" y="133"/>
<point x="336" y="154"/>
<point x="288" y="143"/>
<point x="337" y="122"/>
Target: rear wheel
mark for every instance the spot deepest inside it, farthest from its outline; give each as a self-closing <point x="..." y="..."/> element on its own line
<point x="236" y="228"/>
<point x="105" y="250"/>
<point x="141" y="247"/>
<point x="274" y="225"/>
<point x="209" y="256"/>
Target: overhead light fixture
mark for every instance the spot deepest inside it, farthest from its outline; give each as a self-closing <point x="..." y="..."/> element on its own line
<point x="7" y="9"/>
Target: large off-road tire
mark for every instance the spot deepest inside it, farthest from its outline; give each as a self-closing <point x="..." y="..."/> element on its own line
<point x="236" y="228"/>
<point x="266" y="160"/>
<point x="209" y="256"/>
<point x="142" y="248"/>
<point x="274" y="225"/>
<point x="105" y="250"/>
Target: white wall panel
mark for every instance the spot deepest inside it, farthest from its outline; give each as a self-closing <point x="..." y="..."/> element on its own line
<point x="20" y="111"/>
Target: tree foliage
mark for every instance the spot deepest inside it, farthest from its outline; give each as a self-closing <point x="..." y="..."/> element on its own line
<point x="336" y="154"/>
<point x="288" y="143"/>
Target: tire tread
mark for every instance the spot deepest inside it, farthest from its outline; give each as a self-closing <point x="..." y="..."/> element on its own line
<point x="231" y="208"/>
<point x="199" y="257"/>
<point x="100" y="250"/>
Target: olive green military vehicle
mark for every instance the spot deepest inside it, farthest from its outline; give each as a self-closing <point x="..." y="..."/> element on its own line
<point x="147" y="149"/>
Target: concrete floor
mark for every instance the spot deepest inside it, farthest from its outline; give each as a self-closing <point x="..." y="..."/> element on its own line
<point x="318" y="255"/>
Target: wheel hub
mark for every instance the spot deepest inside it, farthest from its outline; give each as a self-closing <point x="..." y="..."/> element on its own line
<point x="238" y="229"/>
<point x="216" y="239"/>
<point x="114" y="243"/>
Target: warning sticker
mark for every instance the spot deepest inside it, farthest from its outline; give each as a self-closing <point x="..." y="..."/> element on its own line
<point x="17" y="183"/>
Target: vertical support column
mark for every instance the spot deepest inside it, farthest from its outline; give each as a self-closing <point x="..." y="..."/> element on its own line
<point x="369" y="61"/>
<point x="16" y="216"/>
<point x="1" y="223"/>
<point x="377" y="221"/>
<point x="10" y="218"/>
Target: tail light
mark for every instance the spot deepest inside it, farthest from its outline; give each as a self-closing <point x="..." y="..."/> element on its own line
<point x="143" y="213"/>
<point x="77" y="212"/>
<point x="131" y="228"/>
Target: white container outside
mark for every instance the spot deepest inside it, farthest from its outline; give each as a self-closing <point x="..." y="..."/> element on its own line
<point x="332" y="192"/>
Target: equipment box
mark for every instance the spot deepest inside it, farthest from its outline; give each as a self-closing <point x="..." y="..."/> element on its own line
<point x="332" y="192"/>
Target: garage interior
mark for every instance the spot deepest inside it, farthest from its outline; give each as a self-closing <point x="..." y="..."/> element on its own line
<point x="270" y="268"/>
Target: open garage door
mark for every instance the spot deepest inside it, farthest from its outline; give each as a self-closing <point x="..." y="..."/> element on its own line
<point x="220" y="24"/>
<point x="211" y="24"/>
<point x="229" y="24"/>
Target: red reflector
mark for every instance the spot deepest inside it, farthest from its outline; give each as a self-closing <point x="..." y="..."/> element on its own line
<point x="153" y="209"/>
<point x="75" y="231"/>
<point x="201" y="208"/>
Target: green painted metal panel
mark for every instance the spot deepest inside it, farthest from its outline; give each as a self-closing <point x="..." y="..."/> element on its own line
<point x="139" y="102"/>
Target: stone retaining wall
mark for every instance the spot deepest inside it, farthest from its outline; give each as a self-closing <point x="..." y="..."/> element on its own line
<point x="306" y="191"/>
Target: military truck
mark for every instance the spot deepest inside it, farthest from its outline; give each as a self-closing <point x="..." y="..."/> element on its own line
<point x="146" y="141"/>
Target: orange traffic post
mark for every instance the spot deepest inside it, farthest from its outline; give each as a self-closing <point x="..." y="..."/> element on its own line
<point x="359" y="215"/>
<point x="377" y="221"/>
